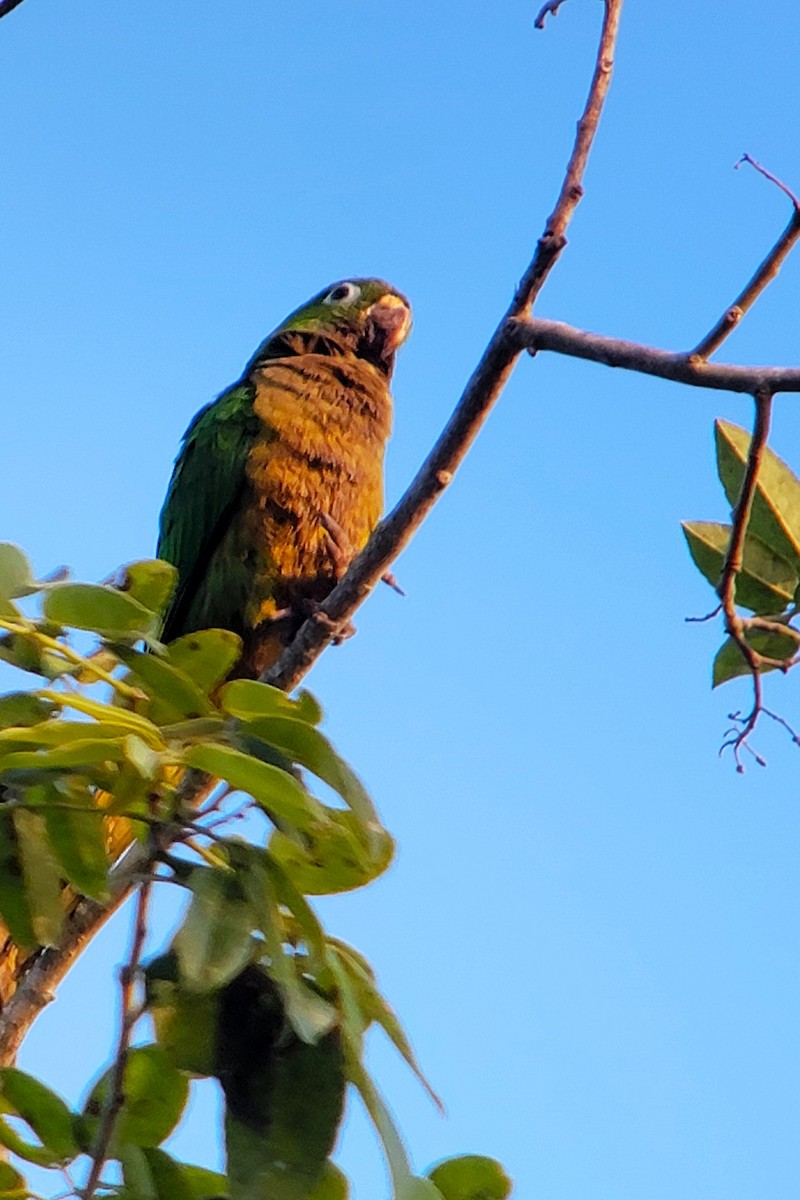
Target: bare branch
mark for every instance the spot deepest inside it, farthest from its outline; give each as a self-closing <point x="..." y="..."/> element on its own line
<point x="734" y="626"/>
<point x="551" y="7"/>
<point x="764" y="275"/>
<point x="7" y="6"/>
<point x="482" y="390"/>
<point x="535" y="334"/>
<point x="129" y="1014"/>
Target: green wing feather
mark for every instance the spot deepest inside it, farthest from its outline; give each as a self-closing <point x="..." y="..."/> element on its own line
<point x="204" y="494"/>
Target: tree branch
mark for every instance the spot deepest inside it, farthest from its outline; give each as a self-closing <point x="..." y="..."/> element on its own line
<point x="764" y="275"/>
<point x="535" y="334"/>
<point x="7" y="6"/>
<point x="129" y="1015"/>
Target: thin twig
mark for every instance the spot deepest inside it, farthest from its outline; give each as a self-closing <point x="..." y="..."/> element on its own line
<point x="732" y="565"/>
<point x="7" y="6"/>
<point x="764" y="275"/>
<point x="482" y="391"/>
<point x="535" y="334"/>
<point x="129" y="1015"/>
<point x="549" y="9"/>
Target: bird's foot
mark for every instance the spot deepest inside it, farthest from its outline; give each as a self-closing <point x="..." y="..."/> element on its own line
<point x="339" y="547"/>
<point x="340" y="631"/>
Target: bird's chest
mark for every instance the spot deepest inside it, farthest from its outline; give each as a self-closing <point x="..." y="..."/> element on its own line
<point x="315" y="473"/>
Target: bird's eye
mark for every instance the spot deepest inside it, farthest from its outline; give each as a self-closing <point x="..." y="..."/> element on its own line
<point x="343" y="293"/>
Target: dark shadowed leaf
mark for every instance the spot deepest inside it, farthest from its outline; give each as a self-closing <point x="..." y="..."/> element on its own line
<point x="78" y="841"/>
<point x="766" y="582"/>
<point x="169" y="1177"/>
<point x="214" y="942"/>
<point x="13" y="897"/>
<point x="775" y="516"/>
<point x="282" y="1156"/>
<point x="103" y="610"/>
<point x="282" y="797"/>
<point x="23" y="708"/>
<point x="42" y="876"/>
<point x="155" y="1097"/>
<point x="46" y="1113"/>
<point x="12" y="1184"/>
<point x="730" y="663"/>
<point x="471" y="1177"/>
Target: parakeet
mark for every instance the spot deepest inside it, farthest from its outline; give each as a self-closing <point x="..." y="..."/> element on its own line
<point x="279" y="481"/>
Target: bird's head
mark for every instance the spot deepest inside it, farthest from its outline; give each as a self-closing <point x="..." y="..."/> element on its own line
<point x="366" y="317"/>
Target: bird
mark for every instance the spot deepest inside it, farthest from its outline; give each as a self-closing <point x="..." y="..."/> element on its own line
<point x="279" y="481"/>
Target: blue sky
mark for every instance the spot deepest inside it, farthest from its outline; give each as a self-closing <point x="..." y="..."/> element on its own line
<point x="591" y="927"/>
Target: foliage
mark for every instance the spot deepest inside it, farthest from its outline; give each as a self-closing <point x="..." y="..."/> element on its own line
<point x="151" y="739"/>
<point x="768" y="584"/>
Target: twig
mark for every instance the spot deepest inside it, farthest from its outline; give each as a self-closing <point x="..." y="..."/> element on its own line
<point x="480" y="394"/>
<point x="551" y="7"/>
<point x="7" y="6"/>
<point x="535" y="334"/>
<point x="732" y="565"/>
<point x="764" y="275"/>
<point x="129" y="1015"/>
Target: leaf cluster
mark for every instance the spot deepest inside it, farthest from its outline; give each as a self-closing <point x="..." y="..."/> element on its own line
<point x="768" y="584"/>
<point x="133" y="739"/>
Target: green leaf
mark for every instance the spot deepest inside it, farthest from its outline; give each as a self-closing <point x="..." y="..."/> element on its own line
<point x="42" y="876"/>
<point x="309" y="1014"/>
<point x="333" y="858"/>
<point x="247" y="699"/>
<point x="303" y="744"/>
<point x="730" y="662"/>
<point x="136" y="1175"/>
<point x="91" y="751"/>
<point x="206" y="656"/>
<point x="333" y="1184"/>
<point x="16" y="576"/>
<point x="185" y="1022"/>
<point x="46" y="1113"/>
<point x="155" y="1097"/>
<point x="281" y="796"/>
<point x="23" y="708"/>
<point x="174" y="696"/>
<point x="121" y="719"/>
<point x="283" y="1155"/>
<point x="103" y="610"/>
<point x="55" y="733"/>
<point x="385" y="1127"/>
<point x="214" y="942"/>
<point x="415" y="1188"/>
<point x="775" y="516"/>
<point x="205" y="1184"/>
<point x="78" y="841"/>
<point x="151" y="582"/>
<point x="471" y="1177"/>
<point x="766" y="582"/>
<point x="14" y="908"/>
<point x="170" y="1179"/>
<point x="12" y="1184"/>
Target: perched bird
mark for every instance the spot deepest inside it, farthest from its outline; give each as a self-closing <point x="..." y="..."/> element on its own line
<point x="279" y="481"/>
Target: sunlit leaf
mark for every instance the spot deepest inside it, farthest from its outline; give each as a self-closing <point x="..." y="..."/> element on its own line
<point x="775" y="516"/>
<point x="206" y="656"/>
<point x="174" y="696"/>
<point x="471" y="1177"/>
<point x="16" y="576"/>
<point x="185" y="1022"/>
<point x="282" y="797"/>
<point x="766" y="582"/>
<point x="12" y="1184"/>
<point x="151" y="582"/>
<point x="169" y="1177"/>
<point x="247" y="699"/>
<point x="730" y="662"/>
<point x="335" y="858"/>
<point x="333" y="1184"/>
<point x="101" y="609"/>
<point x="205" y="1184"/>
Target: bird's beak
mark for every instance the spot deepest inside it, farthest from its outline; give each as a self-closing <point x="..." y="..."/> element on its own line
<point x="391" y="317"/>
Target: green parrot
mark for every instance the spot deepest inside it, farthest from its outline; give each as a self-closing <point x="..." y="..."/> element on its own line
<point x="279" y="481"/>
